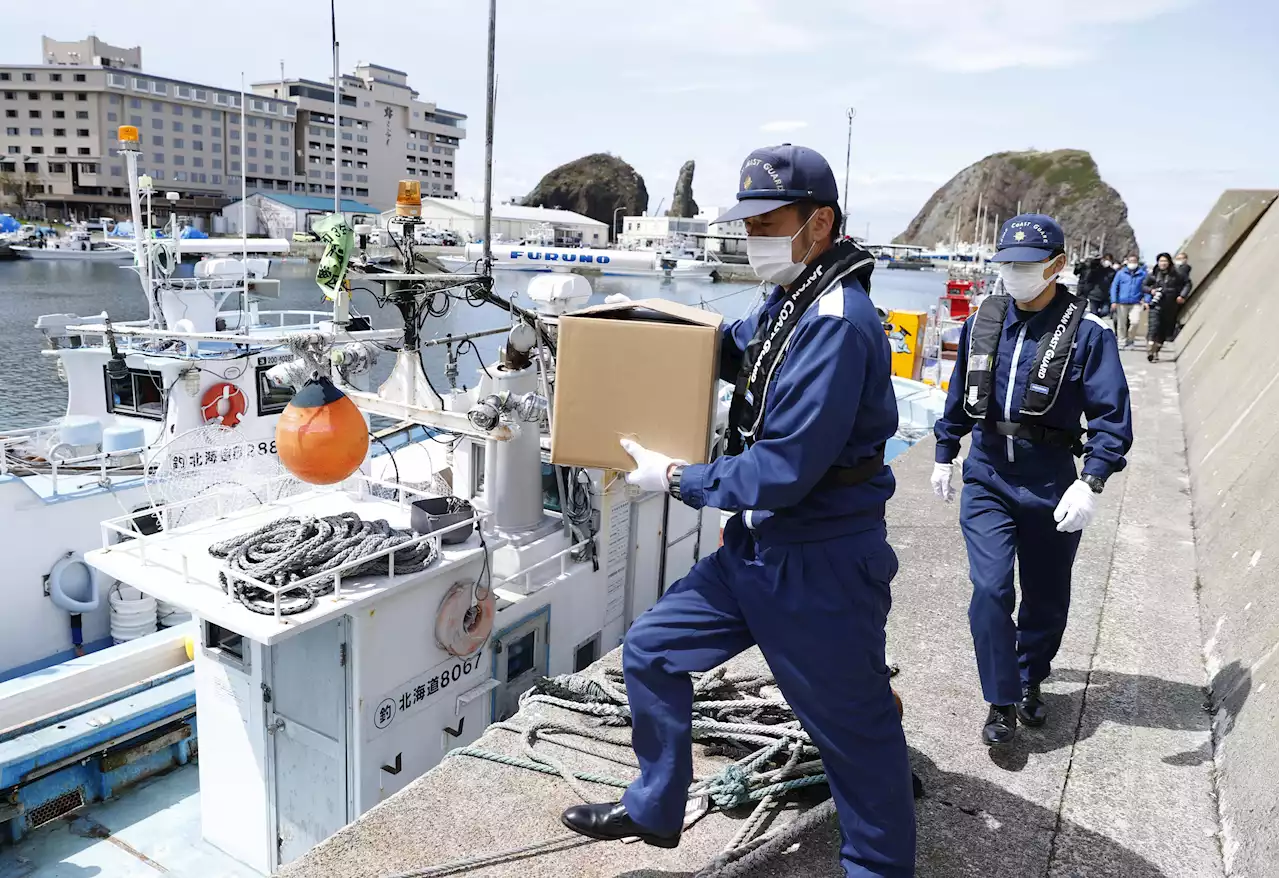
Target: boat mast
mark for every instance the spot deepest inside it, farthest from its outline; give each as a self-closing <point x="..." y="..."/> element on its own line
<point x="848" y="152"/>
<point x="337" y="120"/>
<point x="487" y="259"/>
<point x="141" y="251"/>
<point x="244" y="211"/>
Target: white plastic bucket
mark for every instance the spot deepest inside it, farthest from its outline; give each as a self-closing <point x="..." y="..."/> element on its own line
<point x="170" y="615"/>
<point x="133" y="614"/>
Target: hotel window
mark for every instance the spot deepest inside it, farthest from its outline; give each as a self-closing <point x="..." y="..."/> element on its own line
<point x="197" y="162"/>
<point x="82" y="96"/>
<point x="33" y="114"/>
<point x="177" y="126"/>
<point x="180" y="176"/>
<point x="4" y="77"/>
<point x="135" y="121"/>
<point x="179" y="160"/>
<point x="158" y="158"/>
<point x="157" y="107"/>
<point x="11" y="132"/>
<point x="59" y="96"/>
<point x="179" y="143"/>
<point x="28" y="77"/>
<point x="113" y="117"/>
<point x="197" y="145"/>
<point x="84" y="150"/>
<point x="82" y="132"/>
<point x="59" y="114"/>
<point x="55" y="77"/>
<point x="197" y="129"/>
<point x="135" y="104"/>
<point x="59" y="150"/>
<point x="79" y="77"/>
<point x="117" y="80"/>
<point x="82" y="114"/>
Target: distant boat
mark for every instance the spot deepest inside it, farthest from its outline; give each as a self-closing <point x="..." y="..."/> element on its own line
<point x="78" y="245"/>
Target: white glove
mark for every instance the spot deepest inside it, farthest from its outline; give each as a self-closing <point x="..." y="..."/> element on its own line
<point x="1076" y="509"/>
<point x="651" y="469"/>
<point x="617" y="299"/>
<point x="941" y="481"/>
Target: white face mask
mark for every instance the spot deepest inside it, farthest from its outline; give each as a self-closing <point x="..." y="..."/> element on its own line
<point x="770" y="256"/>
<point x="1025" y="280"/>
<point x="1132" y="265"/>
<point x="1106" y="263"/>
<point x="1179" y="262"/>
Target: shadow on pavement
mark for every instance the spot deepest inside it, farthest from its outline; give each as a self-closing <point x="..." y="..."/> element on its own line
<point x="1129" y="699"/>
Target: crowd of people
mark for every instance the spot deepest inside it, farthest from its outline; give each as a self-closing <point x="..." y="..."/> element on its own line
<point x="1123" y="291"/>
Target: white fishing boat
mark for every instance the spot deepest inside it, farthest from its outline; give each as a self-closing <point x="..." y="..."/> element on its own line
<point x="587" y="260"/>
<point x="78" y="244"/>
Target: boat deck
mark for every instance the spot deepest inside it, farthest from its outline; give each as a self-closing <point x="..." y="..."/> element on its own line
<point x="153" y="829"/>
<point x="1117" y="784"/>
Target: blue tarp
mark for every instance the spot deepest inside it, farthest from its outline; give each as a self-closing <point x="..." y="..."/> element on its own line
<point x="122" y="230"/>
<point x="8" y="223"/>
<point x="192" y="232"/>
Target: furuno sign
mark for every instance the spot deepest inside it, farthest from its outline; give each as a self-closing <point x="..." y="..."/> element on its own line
<point x="547" y="256"/>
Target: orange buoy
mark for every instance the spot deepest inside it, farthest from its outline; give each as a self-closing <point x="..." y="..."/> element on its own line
<point x="321" y="436"/>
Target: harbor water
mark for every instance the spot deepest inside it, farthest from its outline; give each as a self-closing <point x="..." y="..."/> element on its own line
<point x="31" y="392"/>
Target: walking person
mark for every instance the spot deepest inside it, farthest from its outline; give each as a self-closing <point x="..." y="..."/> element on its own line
<point x="1164" y="291"/>
<point x="1126" y="298"/>
<point x="1033" y="364"/>
<point x="805" y="568"/>
<point x="1095" y="284"/>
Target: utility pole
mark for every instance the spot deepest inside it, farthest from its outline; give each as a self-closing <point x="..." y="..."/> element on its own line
<point x="848" y="152"/>
<point x="337" y="121"/>
<point x="490" y="102"/>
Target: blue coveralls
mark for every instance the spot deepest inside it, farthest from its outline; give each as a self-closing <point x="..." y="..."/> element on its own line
<point x="1012" y="486"/>
<point x="804" y="572"/>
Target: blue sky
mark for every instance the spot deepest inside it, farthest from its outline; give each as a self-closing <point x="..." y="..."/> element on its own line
<point x="1176" y="99"/>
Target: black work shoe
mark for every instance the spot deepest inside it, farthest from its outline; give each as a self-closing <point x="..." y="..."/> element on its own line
<point x="1001" y="725"/>
<point x="1030" y="709"/>
<point x="609" y="821"/>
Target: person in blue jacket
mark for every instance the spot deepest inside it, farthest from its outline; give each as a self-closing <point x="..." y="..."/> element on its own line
<point x="1127" y="297"/>
<point x="805" y="568"/>
<point x="1031" y="365"/>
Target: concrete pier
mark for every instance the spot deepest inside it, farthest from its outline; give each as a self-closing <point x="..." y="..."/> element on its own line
<point x="1159" y="757"/>
<point x="1118" y="783"/>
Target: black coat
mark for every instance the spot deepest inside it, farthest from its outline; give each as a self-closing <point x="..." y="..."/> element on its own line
<point x="1165" y="287"/>
<point x="1094" y="282"/>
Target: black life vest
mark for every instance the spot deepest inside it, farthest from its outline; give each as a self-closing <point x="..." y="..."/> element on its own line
<point x="1053" y="354"/>
<point x="765" y="351"/>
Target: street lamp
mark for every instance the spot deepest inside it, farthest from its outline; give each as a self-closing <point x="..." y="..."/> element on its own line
<point x="615" y="221"/>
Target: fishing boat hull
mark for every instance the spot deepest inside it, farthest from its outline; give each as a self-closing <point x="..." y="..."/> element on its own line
<point x="53" y="253"/>
<point x="581" y="260"/>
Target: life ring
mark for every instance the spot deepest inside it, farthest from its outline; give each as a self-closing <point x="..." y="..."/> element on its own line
<point x="461" y="627"/>
<point x="224" y="404"/>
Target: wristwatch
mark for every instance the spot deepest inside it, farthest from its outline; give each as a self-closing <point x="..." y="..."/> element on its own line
<point x="673" y="481"/>
<point x="1095" y="484"/>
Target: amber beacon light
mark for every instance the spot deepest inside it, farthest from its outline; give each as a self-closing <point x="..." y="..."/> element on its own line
<point x="127" y="135"/>
<point x="409" y="198"/>
<point x="321" y="436"/>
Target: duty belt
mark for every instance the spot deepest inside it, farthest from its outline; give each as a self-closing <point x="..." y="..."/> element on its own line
<point x="1036" y="433"/>
<point x="863" y="471"/>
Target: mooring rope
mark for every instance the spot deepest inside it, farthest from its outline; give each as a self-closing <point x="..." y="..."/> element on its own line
<point x="289" y="549"/>
<point x="730" y="713"/>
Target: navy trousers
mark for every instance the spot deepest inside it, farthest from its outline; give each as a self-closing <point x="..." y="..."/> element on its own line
<point x="1006" y="514"/>
<point x="817" y="611"/>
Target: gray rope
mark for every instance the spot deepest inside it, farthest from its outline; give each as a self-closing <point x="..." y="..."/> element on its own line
<point x="290" y="549"/>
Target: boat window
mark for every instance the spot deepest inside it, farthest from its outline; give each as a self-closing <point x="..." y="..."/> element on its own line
<point x="520" y="659"/>
<point x="586" y="653"/>
<point x="273" y="398"/>
<point x="225" y="645"/>
<point x="139" y="393"/>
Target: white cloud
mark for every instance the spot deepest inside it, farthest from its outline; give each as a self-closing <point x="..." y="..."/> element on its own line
<point x="778" y="126"/>
<point x="979" y="36"/>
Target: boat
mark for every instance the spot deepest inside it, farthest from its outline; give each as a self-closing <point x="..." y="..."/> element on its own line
<point x="587" y="260"/>
<point x="78" y="244"/>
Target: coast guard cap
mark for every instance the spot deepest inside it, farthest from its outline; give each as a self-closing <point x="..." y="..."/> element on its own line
<point x="775" y="176"/>
<point x="1029" y="237"/>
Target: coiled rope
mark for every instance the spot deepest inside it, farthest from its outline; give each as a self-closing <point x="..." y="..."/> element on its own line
<point x="735" y="715"/>
<point x="290" y="549"/>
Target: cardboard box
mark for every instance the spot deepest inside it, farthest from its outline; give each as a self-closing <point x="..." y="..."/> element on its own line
<point x="646" y="370"/>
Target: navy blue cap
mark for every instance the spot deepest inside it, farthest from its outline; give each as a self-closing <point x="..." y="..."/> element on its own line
<point x="1029" y="237"/>
<point x="775" y="176"/>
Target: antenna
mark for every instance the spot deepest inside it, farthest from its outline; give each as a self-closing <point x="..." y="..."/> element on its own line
<point x="337" y="120"/>
<point x="487" y="259"/>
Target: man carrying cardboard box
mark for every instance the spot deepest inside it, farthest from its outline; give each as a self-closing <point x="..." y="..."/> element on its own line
<point x="805" y="568"/>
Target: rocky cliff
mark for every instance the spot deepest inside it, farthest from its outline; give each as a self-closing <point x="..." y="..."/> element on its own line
<point x="594" y="186"/>
<point x="682" y="203"/>
<point x="1063" y="184"/>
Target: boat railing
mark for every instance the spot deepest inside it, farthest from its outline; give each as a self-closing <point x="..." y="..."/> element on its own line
<point x="157" y="550"/>
<point x="106" y="463"/>
<point x="525" y="577"/>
